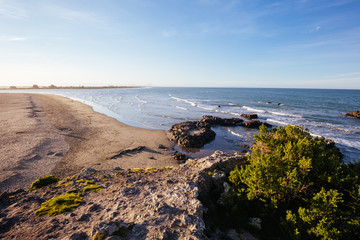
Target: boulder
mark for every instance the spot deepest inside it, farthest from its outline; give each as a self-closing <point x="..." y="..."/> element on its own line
<point x="212" y="121"/>
<point x="191" y="134"/>
<point x="254" y="124"/>
<point x="250" y="116"/>
<point x="355" y="114"/>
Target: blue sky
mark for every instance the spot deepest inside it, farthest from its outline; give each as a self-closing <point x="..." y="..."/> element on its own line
<point x="200" y="43"/>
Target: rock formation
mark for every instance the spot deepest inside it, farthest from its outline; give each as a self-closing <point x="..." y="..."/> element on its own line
<point x="191" y="134"/>
<point x="195" y="134"/>
<point x="250" y="116"/>
<point x="254" y="124"/>
<point x="355" y="114"/>
<point x="213" y="121"/>
<point x="134" y="204"/>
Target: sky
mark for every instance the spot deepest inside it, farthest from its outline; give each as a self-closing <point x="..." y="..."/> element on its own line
<point x="181" y="43"/>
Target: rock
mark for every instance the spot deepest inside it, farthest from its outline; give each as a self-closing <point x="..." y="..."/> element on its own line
<point x="88" y="171"/>
<point x="250" y="116"/>
<point x="179" y="156"/>
<point x="79" y="236"/>
<point x="213" y="121"/>
<point x="191" y="134"/>
<point x="355" y="114"/>
<point x="232" y="234"/>
<point x="243" y="145"/>
<point x="162" y="147"/>
<point x="254" y="124"/>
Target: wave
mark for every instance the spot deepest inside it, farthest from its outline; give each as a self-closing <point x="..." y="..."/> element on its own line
<point x="182" y="108"/>
<point x="141" y="100"/>
<point x="183" y="100"/>
<point x="277" y="121"/>
<point x="285" y="114"/>
<point x="236" y="134"/>
<point x="253" y="109"/>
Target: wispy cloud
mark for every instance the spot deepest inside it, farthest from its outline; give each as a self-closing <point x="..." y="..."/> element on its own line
<point x="13" y="38"/>
<point x="17" y="39"/>
<point x="11" y="9"/>
<point x="71" y="14"/>
<point x="345" y="77"/>
<point x="169" y="33"/>
<point x="315" y="29"/>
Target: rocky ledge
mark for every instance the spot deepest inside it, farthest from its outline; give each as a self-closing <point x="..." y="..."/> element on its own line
<point x="126" y="204"/>
<point x="196" y="134"/>
<point x="355" y="114"/>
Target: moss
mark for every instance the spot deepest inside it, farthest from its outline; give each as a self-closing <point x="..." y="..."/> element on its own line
<point x="60" y="204"/>
<point x="85" y="182"/>
<point x="66" y="184"/>
<point x="210" y="173"/>
<point x="92" y="188"/>
<point x="98" y="236"/>
<point x="167" y="168"/>
<point x="43" y="181"/>
<point x="135" y="170"/>
<point x="104" y="178"/>
<point x="152" y="169"/>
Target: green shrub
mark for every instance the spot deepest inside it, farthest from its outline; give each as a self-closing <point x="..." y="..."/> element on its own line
<point x="299" y="185"/>
<point x="60" y="204"/>
<point x="43" y="181"/>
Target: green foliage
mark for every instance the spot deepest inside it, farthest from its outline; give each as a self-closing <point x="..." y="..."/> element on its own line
<point x="60" y="204"/>
<point x="43" y="181"/>
<point x="298" y="184"/>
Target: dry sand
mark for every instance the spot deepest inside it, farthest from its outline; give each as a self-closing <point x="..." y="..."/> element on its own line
<point x="47" y="134"/>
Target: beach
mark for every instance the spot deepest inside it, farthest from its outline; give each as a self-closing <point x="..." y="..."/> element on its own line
<point x="47" y="134"/>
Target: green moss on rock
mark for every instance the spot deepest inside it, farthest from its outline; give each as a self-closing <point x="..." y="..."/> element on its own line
<point x="43" y="181"/>
<point x="60" y="204"/>
<point x="92" y="188"/>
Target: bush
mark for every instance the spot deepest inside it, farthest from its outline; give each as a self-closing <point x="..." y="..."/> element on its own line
<point x="299" y="185"/>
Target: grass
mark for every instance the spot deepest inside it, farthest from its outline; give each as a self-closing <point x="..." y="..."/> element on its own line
<point x="60" y="204"/>
<point x="43" y="181"/>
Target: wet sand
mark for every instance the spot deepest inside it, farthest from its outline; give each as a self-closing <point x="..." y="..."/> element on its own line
<point x="47" y="134"/>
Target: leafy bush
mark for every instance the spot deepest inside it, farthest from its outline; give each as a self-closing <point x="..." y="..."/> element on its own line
<point x="298" y="185"/>
<point x="43" y="181"/>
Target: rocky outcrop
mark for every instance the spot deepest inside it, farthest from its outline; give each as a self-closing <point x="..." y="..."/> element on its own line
<point x="191" y="134"/>
<point x="355" y="114"/>
<point x="195" y="134"/>
<point x="254" y="124"/>
<point x="134" y="204"/>
<point x="213" y="121"/>
<point x="249" y="116"/>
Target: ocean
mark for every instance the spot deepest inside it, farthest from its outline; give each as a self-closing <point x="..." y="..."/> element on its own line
<point x="322" y="112"/>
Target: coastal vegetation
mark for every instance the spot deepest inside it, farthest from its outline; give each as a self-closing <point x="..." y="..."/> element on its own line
<point x="295" y="186"/>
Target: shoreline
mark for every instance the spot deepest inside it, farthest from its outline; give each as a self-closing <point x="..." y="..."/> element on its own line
<point x="69" y="87"/>
<point x="50" y="134"/>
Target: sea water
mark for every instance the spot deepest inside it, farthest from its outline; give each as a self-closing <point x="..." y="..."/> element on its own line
<point x="322" y="112"/>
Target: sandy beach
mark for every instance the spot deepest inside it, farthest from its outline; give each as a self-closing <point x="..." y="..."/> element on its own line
<point x="47" y="134"/>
